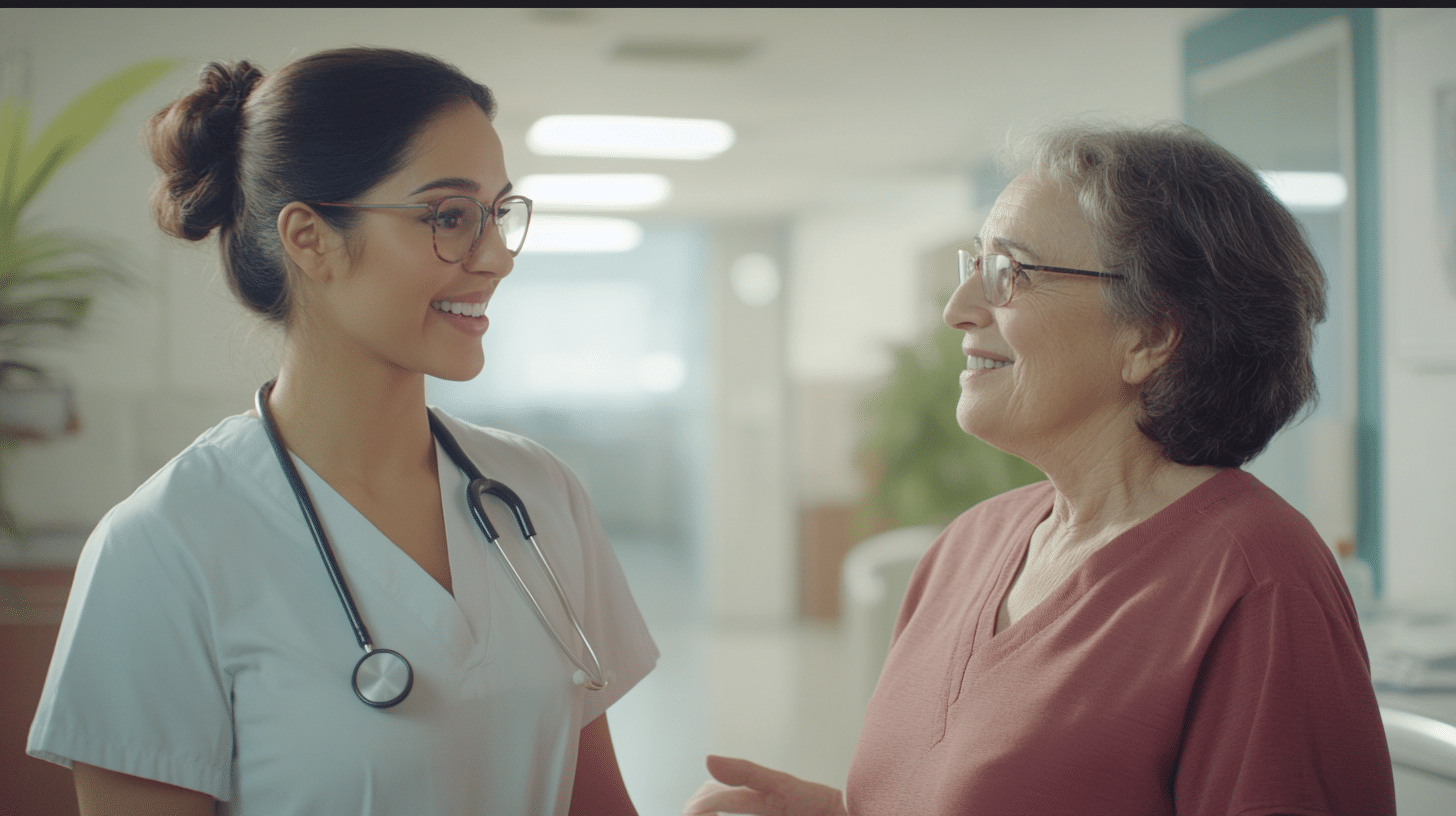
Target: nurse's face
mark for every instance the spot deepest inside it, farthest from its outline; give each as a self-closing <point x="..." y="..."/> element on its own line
<point x="1045" y="370"/>
<point x="398" y="304"/>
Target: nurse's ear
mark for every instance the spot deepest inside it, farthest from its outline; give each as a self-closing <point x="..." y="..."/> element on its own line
<point x="311" y="243"/>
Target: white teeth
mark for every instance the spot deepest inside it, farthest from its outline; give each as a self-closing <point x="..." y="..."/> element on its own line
<point x="471" y="309"/>
<point x="977" y="363"/>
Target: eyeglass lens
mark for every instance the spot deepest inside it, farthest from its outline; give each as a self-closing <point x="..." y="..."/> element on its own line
<point x="997" y="274"/>
<point x="459" y="221"/>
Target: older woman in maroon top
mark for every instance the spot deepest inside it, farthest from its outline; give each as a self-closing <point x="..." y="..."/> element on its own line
<point x="1151" y="630"/>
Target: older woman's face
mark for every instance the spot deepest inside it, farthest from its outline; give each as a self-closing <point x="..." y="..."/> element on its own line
<point x="1046" y="369"/>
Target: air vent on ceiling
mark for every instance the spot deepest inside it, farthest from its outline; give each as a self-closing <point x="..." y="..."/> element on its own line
<point x="699" y="52"/>
<point x="565" y="16"/>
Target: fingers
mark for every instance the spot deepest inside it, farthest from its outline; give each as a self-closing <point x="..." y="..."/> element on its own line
<point x="713" y="798"/>
<point x="731" y="771"/>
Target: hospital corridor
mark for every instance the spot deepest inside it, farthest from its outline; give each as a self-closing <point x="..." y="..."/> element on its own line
<point x="758" y="309"/>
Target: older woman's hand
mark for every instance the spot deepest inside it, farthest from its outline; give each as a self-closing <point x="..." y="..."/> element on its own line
<point x="754" y="789"/>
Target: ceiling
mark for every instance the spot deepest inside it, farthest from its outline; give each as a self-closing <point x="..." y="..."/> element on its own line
<point x="827" y="103"/>
<point x="823" y="101"/>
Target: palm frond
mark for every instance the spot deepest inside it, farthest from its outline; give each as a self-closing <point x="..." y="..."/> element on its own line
<point x="35" y="250"/>
<point x="14" y="122"/>
<point x="76" y="126"/>
<point x="61" y="311"/>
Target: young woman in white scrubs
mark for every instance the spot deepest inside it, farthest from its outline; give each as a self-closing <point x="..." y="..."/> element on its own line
<point x="205" y="659"/>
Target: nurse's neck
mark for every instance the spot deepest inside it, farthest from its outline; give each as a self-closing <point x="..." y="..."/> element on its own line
<point x="362" y="424"/>
<point x="365" y="430"/>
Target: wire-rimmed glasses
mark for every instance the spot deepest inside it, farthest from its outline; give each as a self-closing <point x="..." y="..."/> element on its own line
<point x="458" y="222"/>
<point x="999" y="273"/>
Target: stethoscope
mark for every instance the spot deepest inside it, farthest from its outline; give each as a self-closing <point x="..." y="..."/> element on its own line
<point x="383" y="677"/>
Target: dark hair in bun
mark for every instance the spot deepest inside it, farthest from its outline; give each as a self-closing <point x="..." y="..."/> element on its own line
<point x="328" y="127"/>
<point x="195" y="141"/>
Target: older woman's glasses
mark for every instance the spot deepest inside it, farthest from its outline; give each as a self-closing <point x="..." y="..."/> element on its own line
<point x="458" y="222"/>
<point x="999" y="274"/>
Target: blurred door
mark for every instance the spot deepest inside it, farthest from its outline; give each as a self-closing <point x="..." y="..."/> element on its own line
<point x="1280" y="95"/>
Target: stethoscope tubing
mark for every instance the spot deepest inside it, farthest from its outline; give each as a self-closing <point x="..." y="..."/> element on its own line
<point x="376" y="678"/>
<point x="479" y="486"/>
<point x="379" y="670"/>
<point x="260" y="400"/>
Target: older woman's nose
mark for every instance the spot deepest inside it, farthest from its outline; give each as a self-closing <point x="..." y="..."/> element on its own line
<point x="967" y="307"/>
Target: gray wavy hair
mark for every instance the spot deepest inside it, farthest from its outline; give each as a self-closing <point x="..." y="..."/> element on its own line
<point x="1210" y="254"/>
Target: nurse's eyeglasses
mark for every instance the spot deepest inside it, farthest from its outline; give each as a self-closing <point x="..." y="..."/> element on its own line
<point x="1000" y="272"/>
<point x="458" y="222"/>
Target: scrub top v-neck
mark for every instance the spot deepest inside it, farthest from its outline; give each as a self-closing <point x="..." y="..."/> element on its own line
<point x="236" y="663"/>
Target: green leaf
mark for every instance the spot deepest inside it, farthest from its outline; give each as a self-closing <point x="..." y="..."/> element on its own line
<point x="57" y="256"/>
<point x="64" y="312"/>
<point x="14" y="121"/>
<point x="65" y="275"/>
<point x="77" y="125"/>
<point x="926" y="469"/>
<point x="31" y="184"/>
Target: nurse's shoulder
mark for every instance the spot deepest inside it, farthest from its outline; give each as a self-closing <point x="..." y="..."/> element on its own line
<point x="222" y="487"/>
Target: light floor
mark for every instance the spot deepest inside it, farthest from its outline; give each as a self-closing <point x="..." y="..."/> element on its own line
<point x="777" y="695"/>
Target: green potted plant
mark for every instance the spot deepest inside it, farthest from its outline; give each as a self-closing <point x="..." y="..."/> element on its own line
<point x="924" y="468"/>
<point x="48" y="277"/>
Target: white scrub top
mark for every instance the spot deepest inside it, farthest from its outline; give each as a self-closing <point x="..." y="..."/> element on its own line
<point x="204" y="646"/>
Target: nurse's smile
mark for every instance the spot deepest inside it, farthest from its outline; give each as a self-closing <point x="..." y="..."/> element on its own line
<point x="466" y="315"/>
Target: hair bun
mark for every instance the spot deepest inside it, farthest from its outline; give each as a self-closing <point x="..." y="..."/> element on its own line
<point x="195" y="143"/>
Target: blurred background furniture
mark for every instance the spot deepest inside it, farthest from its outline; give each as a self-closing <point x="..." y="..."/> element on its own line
<point x="1419" y="729"/>
<point x="875" y="575"/>
<point x="31" y="602"/>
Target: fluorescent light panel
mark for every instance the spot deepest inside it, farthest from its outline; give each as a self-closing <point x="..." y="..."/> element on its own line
<point x="1306" y="191"/>
<point x="561" y="233"/>
<point x="597" y="191"/>
<point x="629" y="137"/>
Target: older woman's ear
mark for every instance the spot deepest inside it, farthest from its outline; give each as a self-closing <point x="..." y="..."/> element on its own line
<point x="1149" y="352"/>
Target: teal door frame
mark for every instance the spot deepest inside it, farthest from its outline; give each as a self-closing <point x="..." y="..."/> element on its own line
<point x="1245" y="30"/>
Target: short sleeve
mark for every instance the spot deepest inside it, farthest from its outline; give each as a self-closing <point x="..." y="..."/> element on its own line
<point x="1283" y="718"/>
<point x="134" y="685"/>
<point x="619" y="634"/>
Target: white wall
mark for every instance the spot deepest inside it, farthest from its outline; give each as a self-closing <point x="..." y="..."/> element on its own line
<point x="855" y="293"/>
<point x="1418" y="274"/>
<point x="749" y="561"/>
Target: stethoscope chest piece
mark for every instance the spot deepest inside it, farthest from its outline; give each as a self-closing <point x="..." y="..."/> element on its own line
<point x="382" y="678"/>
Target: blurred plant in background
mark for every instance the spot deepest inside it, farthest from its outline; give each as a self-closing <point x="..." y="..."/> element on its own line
<point x="48" y="277"/>
<point x="925" y="469"/>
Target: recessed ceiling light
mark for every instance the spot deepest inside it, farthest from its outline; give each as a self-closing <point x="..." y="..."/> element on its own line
<point x="562" y="233"/>
<point x="1306" y="191"/>
<point x="597" y="191"/>
<point x="633" y="137"/>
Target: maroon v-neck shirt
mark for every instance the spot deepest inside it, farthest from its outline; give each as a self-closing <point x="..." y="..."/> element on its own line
<point x="1207" y="661"/>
